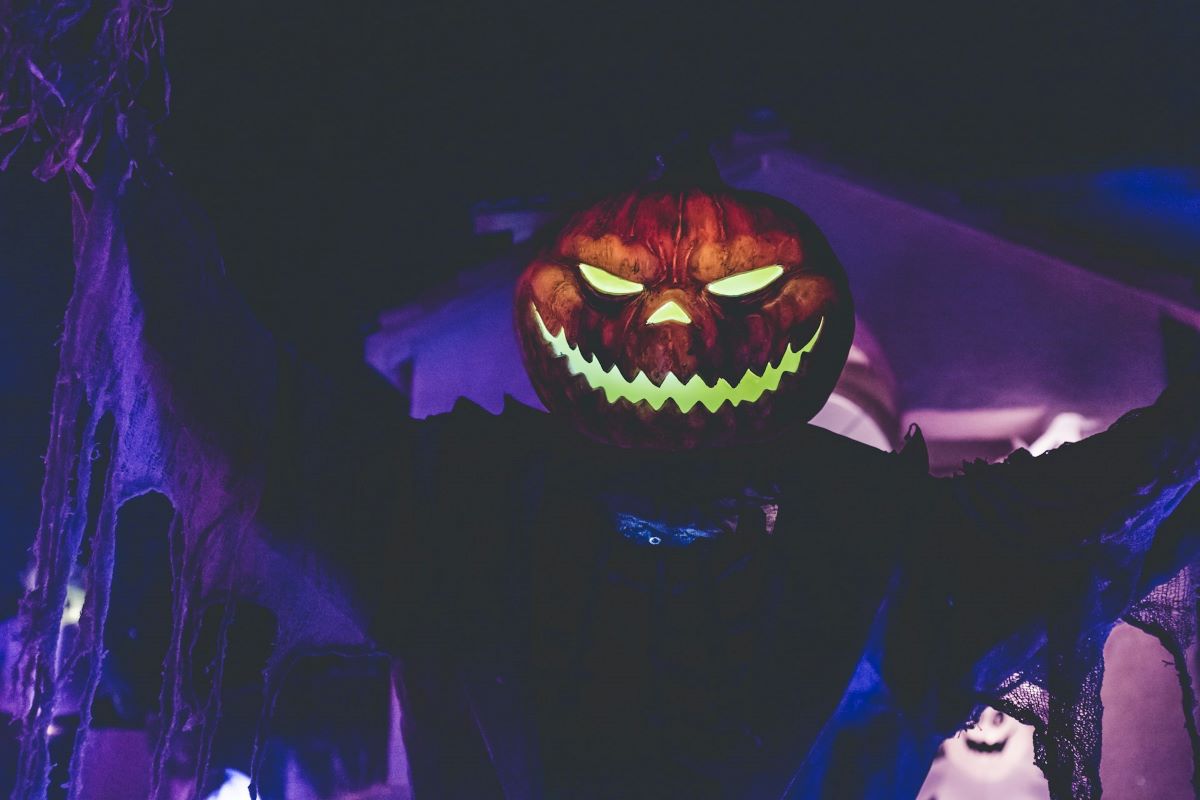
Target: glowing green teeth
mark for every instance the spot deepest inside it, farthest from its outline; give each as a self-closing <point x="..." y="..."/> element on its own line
<point x="749" y="389"/>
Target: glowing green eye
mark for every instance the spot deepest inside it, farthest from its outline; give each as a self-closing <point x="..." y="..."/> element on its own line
<point x="607" y="283"/>
<point x="746" y="282"/>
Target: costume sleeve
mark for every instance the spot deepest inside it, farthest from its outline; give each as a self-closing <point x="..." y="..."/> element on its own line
<point x="1014" y="573"/>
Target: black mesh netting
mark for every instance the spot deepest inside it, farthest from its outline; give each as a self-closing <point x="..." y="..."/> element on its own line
<point x="1065" y="709"/>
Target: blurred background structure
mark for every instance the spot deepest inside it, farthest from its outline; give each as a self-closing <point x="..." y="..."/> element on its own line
<point x="1014" y="190"/>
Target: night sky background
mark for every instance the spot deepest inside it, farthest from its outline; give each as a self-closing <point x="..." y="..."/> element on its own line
<point x="339" y="147"/>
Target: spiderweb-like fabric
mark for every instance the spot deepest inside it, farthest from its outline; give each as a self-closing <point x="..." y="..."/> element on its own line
<point x="1065" y="708"/>
<point x="1058" y="691"/>
<point x="107" y="372"/>
<point x="75" y="108"/>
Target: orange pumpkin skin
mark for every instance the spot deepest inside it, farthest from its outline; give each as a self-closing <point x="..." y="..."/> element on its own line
<point x="675" y="239"/>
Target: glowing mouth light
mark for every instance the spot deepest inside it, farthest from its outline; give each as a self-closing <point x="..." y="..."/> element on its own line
<point x="695" y="391"/>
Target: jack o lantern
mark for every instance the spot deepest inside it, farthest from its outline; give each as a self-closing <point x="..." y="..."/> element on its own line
<point x="683" y="314"/>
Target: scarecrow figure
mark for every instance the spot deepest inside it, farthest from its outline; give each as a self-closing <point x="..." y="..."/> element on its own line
<point x="669" y="586"/>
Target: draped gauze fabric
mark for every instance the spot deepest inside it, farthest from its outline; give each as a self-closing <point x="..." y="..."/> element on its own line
<point x="108" y="372"/>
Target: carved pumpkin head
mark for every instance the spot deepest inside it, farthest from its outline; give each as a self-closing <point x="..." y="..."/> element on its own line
<point x="685" y="313"/>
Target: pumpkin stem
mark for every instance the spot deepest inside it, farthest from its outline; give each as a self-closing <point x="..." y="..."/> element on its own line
<point x="687" y="162"/>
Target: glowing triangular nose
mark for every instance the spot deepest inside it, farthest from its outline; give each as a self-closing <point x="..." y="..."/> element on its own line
<point x="669" y="311"/>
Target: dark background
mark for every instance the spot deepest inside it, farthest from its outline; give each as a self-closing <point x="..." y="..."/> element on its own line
<point x="338" y="147"/>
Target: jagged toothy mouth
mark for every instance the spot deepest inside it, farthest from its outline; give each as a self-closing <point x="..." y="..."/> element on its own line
<point x="984" y="747"/>
<point x="695" y="391"/>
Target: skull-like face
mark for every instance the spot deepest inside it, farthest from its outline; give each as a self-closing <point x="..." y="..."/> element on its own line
<point x="993" y="749"/>
<point x="678" y="316"/>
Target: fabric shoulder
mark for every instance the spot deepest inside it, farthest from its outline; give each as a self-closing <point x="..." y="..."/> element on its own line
<point x="471" y="442"/>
